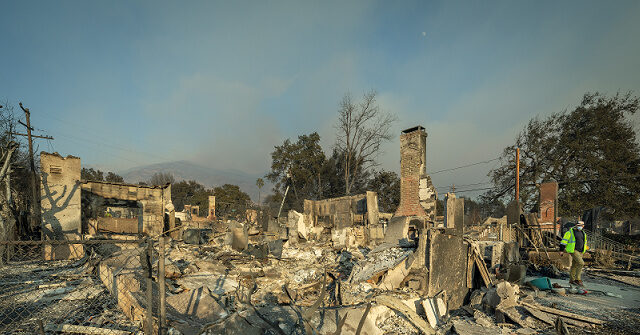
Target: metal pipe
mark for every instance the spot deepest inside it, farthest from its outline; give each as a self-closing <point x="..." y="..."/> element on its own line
<point x="162" y="285"/>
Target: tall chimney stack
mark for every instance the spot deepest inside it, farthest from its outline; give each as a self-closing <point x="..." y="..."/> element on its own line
<point x="417" y="194"/>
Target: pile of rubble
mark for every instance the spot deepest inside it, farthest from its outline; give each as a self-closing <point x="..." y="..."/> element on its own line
<point x="60" y="296"/>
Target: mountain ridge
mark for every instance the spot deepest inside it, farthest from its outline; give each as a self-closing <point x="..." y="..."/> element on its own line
<point x="209" y="177"/>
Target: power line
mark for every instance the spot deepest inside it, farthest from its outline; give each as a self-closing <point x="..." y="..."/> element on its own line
<point x="89" y="144"/>
<point x="464" y="185"/>
<point x="103" y="141"/>
<point x="560" y="182"/>
<point x="120" y="148"/>
<point x="566" y="181"/>
<point x="465" y="166"/>
<point x="474" y="190"/>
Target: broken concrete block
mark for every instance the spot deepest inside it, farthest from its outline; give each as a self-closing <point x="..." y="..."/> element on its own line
<point x="63" y="251"/>
<point x="504" y="295"/>
<point x="409" y="313"/>
<point x="259" y="251"/>
<point x="339" y="237"/>
<point x="377" y="263"/>
<point x="506" y="290"/>
<point x="397" y="233"/>
<point x="482" y="319"/>
<point x="215" y="282"/>
<point x="197" y="305"/>
<point x="196" y="236"/>
<point x="476" y="298"/>
<point x="297" y="225"/>
<point x="464" y="327"/>
<point x="413" y="284"/>
<point x="275" y="248"/>
<point x="431" y="310"/>
<point x="517" y="316"/>
<point x="396" y="275"/>
<point x="516" y="273"/>
<point x="171" y="271"/>
<point x="239" y="237"/>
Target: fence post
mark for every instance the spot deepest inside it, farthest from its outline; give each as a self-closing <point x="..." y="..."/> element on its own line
<point x="149" y="329"/>
<point x="162" y="286"/>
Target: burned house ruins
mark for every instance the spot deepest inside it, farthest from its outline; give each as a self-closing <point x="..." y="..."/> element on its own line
<point x="114" y="260"/>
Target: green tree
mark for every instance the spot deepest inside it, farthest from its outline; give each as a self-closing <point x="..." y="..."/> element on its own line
<point x="387" y="185"/>
<point x="492" y="207"/>
<point x="91" y="174"/>
<point x="230" y="200"/>
<point x="114" y="178"/>
<point x="473" y="213"/>
<point x="592" y="151"/>
<point x="298" y="165"/>
<point x="185" y="193"/>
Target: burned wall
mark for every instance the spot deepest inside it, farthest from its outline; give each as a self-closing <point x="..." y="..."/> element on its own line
<point x="60" y="204"/>
<point x="356" y="213"/>
<point x="152" y="200"/>
<point x="447" y="266"/>
<point x="454" y="212"/>
<point x="341" y="212"/>
<point x="212" y="207"/>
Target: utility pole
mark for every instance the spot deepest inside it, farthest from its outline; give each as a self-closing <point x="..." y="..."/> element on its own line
<point x="35" y="203"/>
<point x="518" y="178"/>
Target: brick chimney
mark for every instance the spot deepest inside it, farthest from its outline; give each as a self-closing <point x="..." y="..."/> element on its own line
<point x="417" y="194"/>
<point x="548" y="200"/>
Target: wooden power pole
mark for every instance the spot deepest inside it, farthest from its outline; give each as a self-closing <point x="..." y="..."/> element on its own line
<point x="35" y="201"/>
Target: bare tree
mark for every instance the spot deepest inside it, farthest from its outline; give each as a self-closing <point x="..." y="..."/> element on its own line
<point x="260" y="184"/>
<point x="161" y="179"/>
<point x="362" y="128"/>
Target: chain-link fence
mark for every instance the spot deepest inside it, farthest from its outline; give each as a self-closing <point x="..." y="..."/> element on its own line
<point x="83" y="287"/>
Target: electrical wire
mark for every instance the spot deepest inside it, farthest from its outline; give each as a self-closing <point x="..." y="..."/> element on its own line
<point x="128" y="149"/>
<point x="465" y="166"/>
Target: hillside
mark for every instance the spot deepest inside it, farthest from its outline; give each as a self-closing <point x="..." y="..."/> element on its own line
<point x="209" y="177"/>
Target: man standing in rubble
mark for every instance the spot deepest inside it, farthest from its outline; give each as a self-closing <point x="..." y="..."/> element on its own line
<point x="574" y="242"/>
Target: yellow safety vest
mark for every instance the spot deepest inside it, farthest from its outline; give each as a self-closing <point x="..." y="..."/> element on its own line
<point x="570" y="241"/>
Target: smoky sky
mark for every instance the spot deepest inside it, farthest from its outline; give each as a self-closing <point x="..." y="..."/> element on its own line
<point x="125" y="83"/>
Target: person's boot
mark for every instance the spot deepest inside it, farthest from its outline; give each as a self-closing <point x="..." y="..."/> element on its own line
<point x="572" y="282"/>
<point x="579" y="283"/>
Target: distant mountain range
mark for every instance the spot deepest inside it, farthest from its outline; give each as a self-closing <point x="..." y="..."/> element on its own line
<point x="209" y="177"/>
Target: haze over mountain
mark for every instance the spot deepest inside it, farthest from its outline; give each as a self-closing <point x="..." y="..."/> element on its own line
<point x="209" y="177"/>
